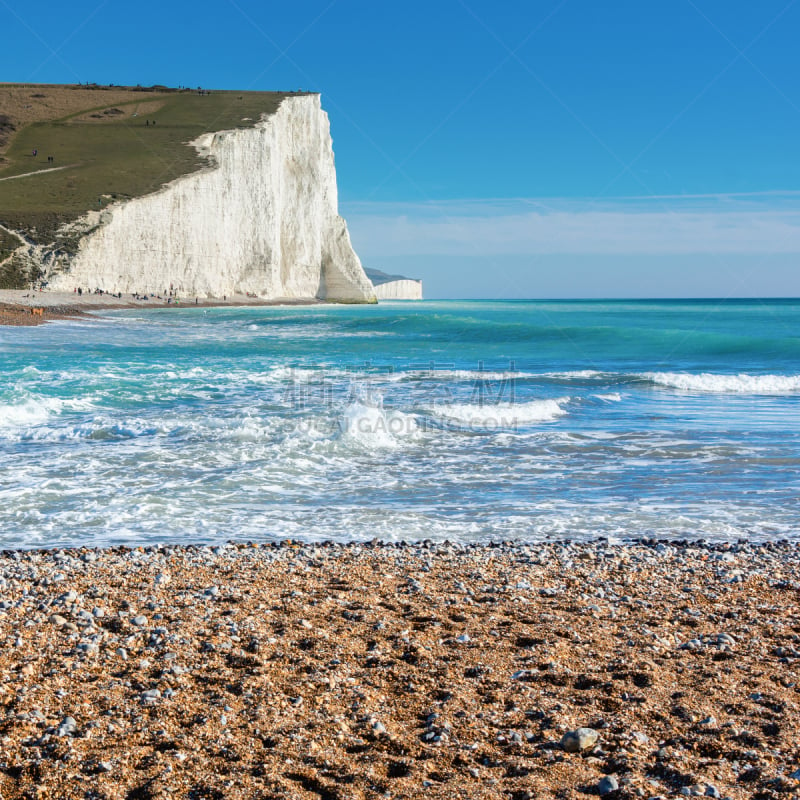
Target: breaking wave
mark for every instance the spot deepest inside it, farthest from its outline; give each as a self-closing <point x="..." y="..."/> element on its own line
<point x="31" y="410"/>
<point x="500" y="415"/>
<point x="726" y="384"/>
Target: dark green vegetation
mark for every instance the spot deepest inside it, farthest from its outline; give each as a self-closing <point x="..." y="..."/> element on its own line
<point x="7" y="127"/>
<point x="8" y="243"/>
<point x="104" y="150"/>
<point x="13" y="275"/>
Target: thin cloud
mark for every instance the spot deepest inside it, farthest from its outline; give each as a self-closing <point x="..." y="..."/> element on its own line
<point x="737" y="223"/>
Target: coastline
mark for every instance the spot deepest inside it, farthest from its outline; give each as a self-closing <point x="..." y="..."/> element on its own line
<point x="406" y="670"/>
<point x="16" y="304"/>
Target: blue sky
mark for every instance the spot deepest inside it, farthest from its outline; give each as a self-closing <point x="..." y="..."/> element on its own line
<point x="560" y="148"/>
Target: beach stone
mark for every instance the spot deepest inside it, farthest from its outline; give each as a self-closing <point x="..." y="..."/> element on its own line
<point x="139" y="621"/>
<point x="67" y="727"/>
<point x="608" y="784"/>
<point x="579" y="739"/>
<point x="150" y="696"/>
<point x="336" y="674"/>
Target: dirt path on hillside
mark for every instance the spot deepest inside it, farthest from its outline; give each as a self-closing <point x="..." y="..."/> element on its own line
<point x="37" y="172"/>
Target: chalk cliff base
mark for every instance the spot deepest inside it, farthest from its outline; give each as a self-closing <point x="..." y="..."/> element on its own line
<point x="262" y="218"/>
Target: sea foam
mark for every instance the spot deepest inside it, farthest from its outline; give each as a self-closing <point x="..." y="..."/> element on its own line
<point x="500" y="415"/>
<point x="726" y="384"/>
<point x="31" y="410"/>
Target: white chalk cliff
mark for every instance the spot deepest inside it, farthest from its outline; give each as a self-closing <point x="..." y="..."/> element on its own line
<point x="394" y="287"/>
<point x="403" y="289"/>
<point x="261" y="218"/>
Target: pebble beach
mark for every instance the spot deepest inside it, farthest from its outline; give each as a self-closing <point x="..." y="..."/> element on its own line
<point x="388" y="670"/>
<point x="16" y="304"/>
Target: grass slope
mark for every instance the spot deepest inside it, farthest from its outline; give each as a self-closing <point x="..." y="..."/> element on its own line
<point x="100" y="138"/>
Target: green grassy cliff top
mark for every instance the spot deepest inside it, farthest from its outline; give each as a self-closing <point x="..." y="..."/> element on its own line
<point x="98" y="144"/>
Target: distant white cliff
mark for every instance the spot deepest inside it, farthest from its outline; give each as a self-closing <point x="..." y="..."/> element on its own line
<point x="261" y="218"/>
<point x="394" y="287"/>
<point x="406" y="289"/>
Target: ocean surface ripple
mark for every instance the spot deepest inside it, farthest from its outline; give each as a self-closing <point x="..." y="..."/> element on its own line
<point x="443" y="420"/>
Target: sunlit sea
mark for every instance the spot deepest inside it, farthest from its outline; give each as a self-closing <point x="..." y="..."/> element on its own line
<point x="467" y="421"/>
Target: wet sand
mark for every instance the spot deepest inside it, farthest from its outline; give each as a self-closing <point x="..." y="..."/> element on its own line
<point x="19" y="315"/>
<point x="421" y="671"/>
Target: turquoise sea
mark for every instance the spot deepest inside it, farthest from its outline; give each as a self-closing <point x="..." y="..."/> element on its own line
<point x="443" y="420"/>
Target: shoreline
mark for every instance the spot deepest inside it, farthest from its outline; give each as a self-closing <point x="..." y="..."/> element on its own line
<point x="16" y="305"/>
<point x="660" y="543"/>
<point x="405" y="670"/>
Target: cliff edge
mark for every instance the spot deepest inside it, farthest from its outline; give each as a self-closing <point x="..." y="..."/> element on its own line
<point x="260" y="218"/>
